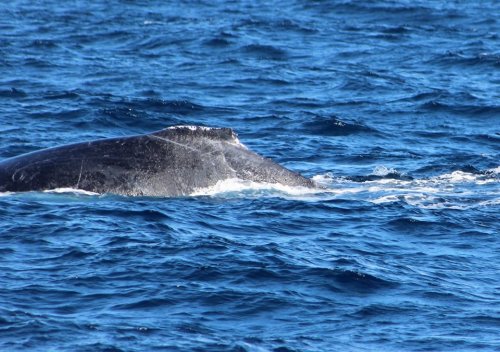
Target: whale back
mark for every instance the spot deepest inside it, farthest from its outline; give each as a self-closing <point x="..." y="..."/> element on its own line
<point x="170" y="162"/>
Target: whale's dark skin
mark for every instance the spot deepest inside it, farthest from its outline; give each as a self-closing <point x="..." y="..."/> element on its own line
<point x="172" y="162"/>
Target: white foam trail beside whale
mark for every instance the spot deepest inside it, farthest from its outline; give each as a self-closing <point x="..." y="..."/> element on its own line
<point x="455" y="190"/>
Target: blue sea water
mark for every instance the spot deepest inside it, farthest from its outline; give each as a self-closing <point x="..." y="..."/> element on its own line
<point x="391" y="104"/>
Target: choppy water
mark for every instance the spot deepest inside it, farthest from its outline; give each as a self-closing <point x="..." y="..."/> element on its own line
<point x="394" y="105"/>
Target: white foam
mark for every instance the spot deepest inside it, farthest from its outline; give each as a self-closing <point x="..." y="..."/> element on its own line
<point x="457" y="177"/>
<point x="490" y="202"/>
<point x="454" y="190"/>
<point x="495" y="170"/>
<point x="238" y="186"/>
<point x="325" y="179"/>
<point x="382" y="170"/>
<point x="386" y="199"/>
<point x="71" y="190"/>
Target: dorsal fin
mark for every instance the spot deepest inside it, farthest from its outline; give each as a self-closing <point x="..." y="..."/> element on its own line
<point x="216" y="133"/>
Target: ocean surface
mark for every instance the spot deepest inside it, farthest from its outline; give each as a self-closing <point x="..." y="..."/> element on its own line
<point x="394" y="106"/>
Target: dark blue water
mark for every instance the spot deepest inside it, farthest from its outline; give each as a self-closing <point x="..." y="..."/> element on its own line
<point x="394" y="105"/>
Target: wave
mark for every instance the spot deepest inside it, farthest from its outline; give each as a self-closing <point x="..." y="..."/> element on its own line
<point x="333" y="126"/>
<point x="462" y="109"/>
<point x="459" y="58"/>
<point x="265" y="52"/>
<point x="13" y="93"/>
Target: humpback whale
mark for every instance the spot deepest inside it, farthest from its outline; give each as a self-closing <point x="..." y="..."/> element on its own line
<point x="175" y="161"/>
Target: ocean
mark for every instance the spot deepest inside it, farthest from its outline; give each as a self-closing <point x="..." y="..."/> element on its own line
<point x="392" y="105"/>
